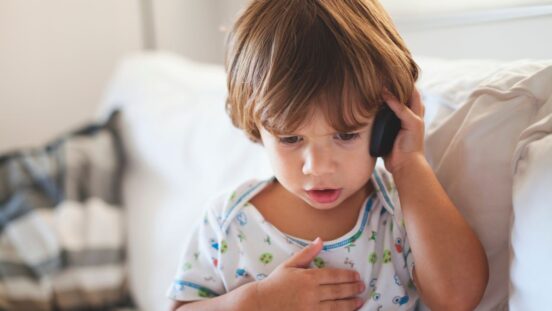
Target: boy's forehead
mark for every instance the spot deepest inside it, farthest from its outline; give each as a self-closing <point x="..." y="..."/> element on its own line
<point x="323" y="114"/>
<point x="318" y="125"/>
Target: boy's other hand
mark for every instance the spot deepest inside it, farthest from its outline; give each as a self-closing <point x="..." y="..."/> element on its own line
<point x="409" y="144"/>
<point x="292" y="286"/>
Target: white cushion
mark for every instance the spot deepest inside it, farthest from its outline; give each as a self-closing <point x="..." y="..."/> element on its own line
<point x="532" y="197"/>
<point x="471" y="146"/>
<point x="182" y="150"/>
<point x="446" y="84"/>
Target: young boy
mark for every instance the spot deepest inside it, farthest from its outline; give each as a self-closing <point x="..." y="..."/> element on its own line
<point x="305" y="80"/>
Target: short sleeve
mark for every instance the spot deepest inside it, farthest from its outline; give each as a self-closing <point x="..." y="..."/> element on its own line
<point x="197" y="276"/>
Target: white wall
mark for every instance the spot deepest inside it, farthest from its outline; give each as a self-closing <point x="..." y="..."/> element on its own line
<point x="188" y="27"/>
<point x="56" y="57"/>
<point x="495" y="40"/>
<point x="193" y="28"/>
<point x="425" y="7"/>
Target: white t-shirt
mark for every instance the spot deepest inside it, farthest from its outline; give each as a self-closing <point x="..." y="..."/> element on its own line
<point x="234" y="245"/>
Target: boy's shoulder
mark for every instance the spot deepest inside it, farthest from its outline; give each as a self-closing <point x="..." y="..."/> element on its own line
<point x="227" y="204"/>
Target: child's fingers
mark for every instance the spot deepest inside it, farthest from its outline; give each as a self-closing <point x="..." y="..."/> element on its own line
<point x="334" y="275"/>
<point x="416" y="104"/>
<point x="405" y="114"/>
<point x="303" y="258"/>
<point x="340" y="291"/>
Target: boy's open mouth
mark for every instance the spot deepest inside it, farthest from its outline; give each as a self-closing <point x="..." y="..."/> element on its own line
<point x="325" y="195"/>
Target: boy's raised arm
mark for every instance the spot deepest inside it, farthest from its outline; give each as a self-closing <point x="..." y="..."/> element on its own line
<point x="451" y="270"/>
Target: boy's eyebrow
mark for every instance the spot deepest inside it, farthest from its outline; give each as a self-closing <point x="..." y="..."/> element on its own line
<point x="358" y="130"/>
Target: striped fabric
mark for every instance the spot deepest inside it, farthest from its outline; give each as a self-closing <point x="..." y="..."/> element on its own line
<point x="62" y="237"/>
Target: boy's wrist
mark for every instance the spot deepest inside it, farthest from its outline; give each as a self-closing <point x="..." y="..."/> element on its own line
<point x="248" y="298"/>
<point x="417" y="160"/>
<point x="256" y="296"/>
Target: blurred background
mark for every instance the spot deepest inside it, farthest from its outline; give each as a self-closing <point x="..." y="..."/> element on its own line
<point x="56" y="56"/>
<point x="61" y="61"/>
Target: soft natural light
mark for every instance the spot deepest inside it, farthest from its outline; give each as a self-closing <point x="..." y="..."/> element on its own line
<point x="407" y="7"/>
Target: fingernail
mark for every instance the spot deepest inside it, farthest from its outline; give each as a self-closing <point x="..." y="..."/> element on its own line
<point x="316" y="240"/>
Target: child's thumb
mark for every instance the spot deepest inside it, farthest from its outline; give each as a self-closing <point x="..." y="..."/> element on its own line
<point x="303" y="258"/>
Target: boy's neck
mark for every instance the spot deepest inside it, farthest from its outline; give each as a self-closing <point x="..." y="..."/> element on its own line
<point x="288" y="213"/>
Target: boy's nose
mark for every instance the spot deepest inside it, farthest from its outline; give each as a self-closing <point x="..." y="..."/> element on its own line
<point x="318" y="161"/>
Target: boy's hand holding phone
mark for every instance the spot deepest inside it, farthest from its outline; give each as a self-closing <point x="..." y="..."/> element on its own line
<point x="409" y="144"/>
<point x="292" y="286"/>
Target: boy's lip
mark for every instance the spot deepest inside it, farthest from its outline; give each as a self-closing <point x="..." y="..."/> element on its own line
<point x="322" y="187"/>
<point x="328" y="196"/>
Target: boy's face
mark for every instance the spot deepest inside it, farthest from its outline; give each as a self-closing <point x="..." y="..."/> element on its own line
<point x="316" y="157"/>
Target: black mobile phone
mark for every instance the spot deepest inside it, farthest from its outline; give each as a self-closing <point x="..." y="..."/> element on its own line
<point x="385" y="129"/>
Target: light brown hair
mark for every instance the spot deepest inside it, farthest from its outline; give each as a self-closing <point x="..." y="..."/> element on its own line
<point x="285" y="57"/>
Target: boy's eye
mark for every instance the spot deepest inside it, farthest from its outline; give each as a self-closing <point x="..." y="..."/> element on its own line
<point x="289" y="140"/>
<point x="347" y="136"/>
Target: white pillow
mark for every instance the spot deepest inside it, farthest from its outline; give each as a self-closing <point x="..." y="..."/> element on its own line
<point x="532" y="197"/>
<point x="182" y="150"/>
<point x="446" y="84"/>
<point x="471" y="145"/>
